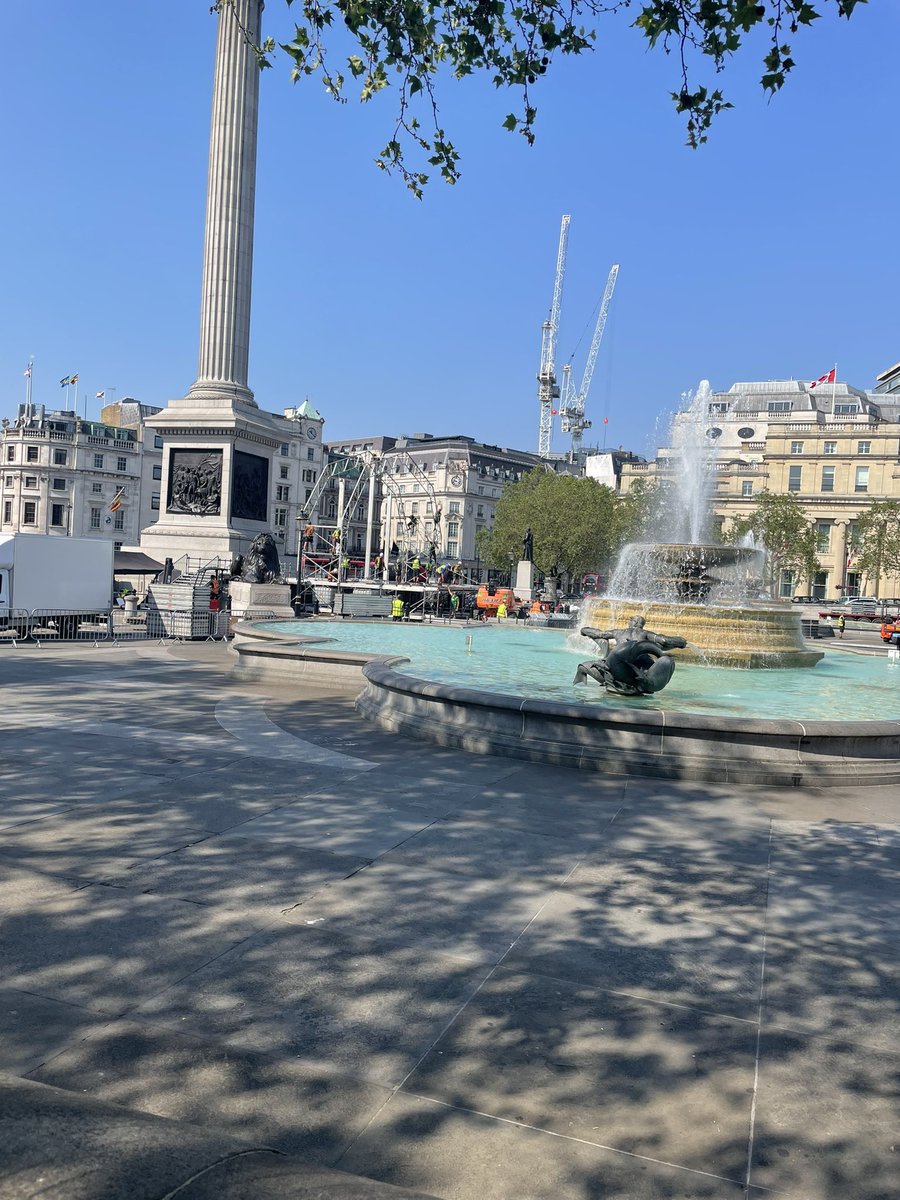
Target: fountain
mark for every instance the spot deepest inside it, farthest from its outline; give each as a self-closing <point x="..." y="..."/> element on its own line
<point x="685" y="585"/>
<point x="510" y="692"/>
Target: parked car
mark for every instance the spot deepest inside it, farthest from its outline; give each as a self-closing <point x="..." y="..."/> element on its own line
<point x="803" y="600"/>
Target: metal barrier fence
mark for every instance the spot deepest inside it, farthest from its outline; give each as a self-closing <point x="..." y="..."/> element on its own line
<point x="16" y="627"/>
<point x="42" y="626"/>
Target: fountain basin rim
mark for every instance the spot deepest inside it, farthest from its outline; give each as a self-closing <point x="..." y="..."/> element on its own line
<point x="616" y="741"/>
<point x="380" y="670"/>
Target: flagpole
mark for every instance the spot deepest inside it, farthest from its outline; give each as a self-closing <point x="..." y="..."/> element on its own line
<point x="833" y="386"/>
<point x="28" y="385"/>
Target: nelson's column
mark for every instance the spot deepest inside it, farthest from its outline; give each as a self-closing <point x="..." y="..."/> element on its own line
<point x="218" y="445"/>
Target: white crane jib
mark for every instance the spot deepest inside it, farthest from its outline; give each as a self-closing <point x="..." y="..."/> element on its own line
<point x="572" y="409"/>
<point x="548" y="389"/>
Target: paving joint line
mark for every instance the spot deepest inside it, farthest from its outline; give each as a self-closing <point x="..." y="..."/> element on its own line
<point x="759" y="1010"/>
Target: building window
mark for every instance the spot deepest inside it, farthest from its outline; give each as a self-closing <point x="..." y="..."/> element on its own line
<point x="283" y="491"/>
<point x="779" y="406"/>
<point x="31" y="481"/>
<point x="417" y="487"/>
<point x="794" y="479"/>
<point x="57" y="514"/>
<point x="479" y="510"/>
<point x="10" y="454"/>
<point x="285" y="449"/>
<point x="746" y="487"/>
<point x="29" y="512"/>
<point x="157" y="443"/>
<point x="307" y="494"/>
<point x="98" y="462"/>
<point x="310" y="454"/>
<point x="309" y="476"/>
<point x="823" y="537"/>
<point x="32" y="453"/>
<point x="786" y="585"/>
<point x="846" y="410"/>
<point x="281" y="517"/>
<point x="154" y="502"/>
<point x="10" y="480"/>
<point x="7" y="512"/>
<point x="59" y="458"/>
<point x="414" y="507"/>
<point x="862" y="479"/>
<point x="863" y="447"/>
<point x="97" y="488"/>
<point x="118" y="545"/>
<point x="59" y="485"/>
<point x="452" y="549"/>
<point x="157" y="472"/>
<point x="119" y="522"/>
<point x="481" y="491"/>
<point x="95" y="518"/>
<point x="827" y="479"/>
<point x="796" y="447"/>
<point x="830" y="447"/>
<point x="454" y="506"/>
<point x="284" y="470"/>
<point x="452" y="530"/>
<point x="121" y="463"/>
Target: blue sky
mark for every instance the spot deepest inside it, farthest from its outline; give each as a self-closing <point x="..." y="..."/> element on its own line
<point x="771" y="252"/>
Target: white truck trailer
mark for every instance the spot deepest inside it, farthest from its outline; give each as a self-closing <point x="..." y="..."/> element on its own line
<point x="57" y="576"/>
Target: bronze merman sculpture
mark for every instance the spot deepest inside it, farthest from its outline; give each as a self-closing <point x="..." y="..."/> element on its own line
<point x="638" y="666"/>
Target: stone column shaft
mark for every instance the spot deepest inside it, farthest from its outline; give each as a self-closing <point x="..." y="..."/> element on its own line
<point x="231" y="193"/>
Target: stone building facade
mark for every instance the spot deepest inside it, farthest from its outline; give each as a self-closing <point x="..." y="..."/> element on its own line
<point x="68" y="477"/>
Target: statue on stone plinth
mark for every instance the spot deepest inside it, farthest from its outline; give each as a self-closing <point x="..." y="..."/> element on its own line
<point x="528" y="546"/>
<point x="260" y="564"/>
<point x="638" y="666"/>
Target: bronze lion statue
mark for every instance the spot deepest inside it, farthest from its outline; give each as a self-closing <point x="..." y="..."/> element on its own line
<point x="260" y="563"/>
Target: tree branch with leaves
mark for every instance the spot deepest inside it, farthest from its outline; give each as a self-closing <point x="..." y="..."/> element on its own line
<point x="408" y="45"/>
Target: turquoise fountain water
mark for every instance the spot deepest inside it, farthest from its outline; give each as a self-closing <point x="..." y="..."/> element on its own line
<point x="540" y="663"/>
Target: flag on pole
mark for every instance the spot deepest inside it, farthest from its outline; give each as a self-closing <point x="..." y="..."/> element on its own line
<point x="74" y="379"/>
<point x="829" y="378"/>
<point x="65" y="382"/>
<point x="117" y="501"/>
<point x="27" y="371"/>
<point x="99" y="395"/>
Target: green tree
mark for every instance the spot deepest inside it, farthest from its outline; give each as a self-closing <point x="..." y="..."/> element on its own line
<point x="876" y="542"/>
<point x="573" y="521"/>
<point x="780" y="525"/>
<point x="515" y="43"/>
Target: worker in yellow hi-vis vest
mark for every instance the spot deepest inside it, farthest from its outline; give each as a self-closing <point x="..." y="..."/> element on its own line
<point x="396" y="609"/>
<point x="501" y="611"/>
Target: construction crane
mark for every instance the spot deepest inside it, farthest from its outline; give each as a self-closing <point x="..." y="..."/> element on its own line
<point x="572" y="409"/>
<point x="548" y="388"/>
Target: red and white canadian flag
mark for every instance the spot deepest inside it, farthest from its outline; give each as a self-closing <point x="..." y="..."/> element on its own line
<point x="829" y="378"/>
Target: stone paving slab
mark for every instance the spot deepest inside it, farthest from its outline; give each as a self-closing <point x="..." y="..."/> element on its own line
<point x="249" y="876"/>
<point x="310" y="1110"/>
<point x="647" y="951"/>
<point x="108" y="949"/>
<point x="396" y="904"/>
<point x="660" y="1081"/>
<point x="369" y="1010"/>
<point x="459" y="1155"/>
<point x="481" y="850"/>
<point x="33" y="1029"/>
<point x="836" y="987"/>
<point x="365" y="828"/>
<point x="91" y="841"/>
<point x="827" y="1118"/>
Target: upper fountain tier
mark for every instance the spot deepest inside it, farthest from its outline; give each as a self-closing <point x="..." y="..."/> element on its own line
<point x="684" y="573"/>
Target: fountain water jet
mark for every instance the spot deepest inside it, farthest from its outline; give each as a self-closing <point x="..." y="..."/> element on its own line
<point x="685" y="585"/>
